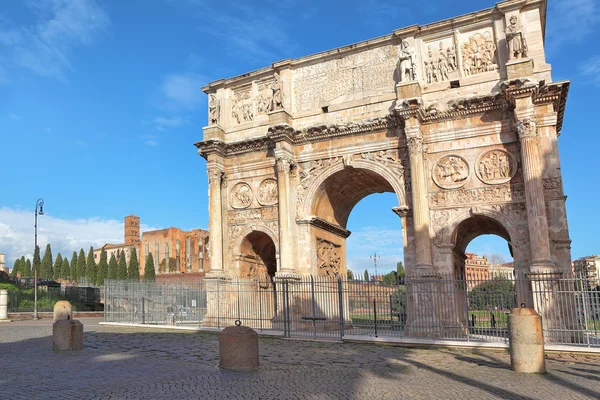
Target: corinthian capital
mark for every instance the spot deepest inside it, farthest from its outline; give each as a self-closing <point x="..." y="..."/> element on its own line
<point x="215" y="176"/>
<point x="415" y="144"/>
<point x="285" y="163"/>
<point x="527" y="128"/>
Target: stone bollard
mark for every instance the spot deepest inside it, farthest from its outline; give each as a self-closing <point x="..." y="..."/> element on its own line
<point x="238" y="348"/>
<point x="4" y="306"/>
<point x="526" y="341"/>
<point x="63" y="310"/>
<point x="67" y="334"/>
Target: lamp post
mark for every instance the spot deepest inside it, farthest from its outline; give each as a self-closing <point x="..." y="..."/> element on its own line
<point x="40" y="204"/>
<point x="375" y="256"/>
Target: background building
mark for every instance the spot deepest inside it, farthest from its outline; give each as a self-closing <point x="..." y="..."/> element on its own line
<point x="174" y="251"/>
<point x="587" y="267"/>
<point x="477" y="269"/>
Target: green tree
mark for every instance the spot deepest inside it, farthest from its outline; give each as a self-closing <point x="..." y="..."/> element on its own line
<point x="112" y="267"/>
<point x="74" y="272"/>
<point x="82" y="269"/>
<point x="91" y="263"/>
<point x="366" y="276"/>
<point x="36" y="261"/>
<point x="133" y="273"/>
<point x="57" y="267"/>
<point x="17" y="267"/>
<point x="390" y="278"/>
<point x="122" y="267"/>
<point x="498" y="292"/>
<point x="46" y="268"/>
<point x="350" y="275"/>
<point x="27" y="270"/>
<point x="65" y="271"/>
<point x="400" y="270"/>
<point x="149" y="273"/>
<point x="102" y="269"/>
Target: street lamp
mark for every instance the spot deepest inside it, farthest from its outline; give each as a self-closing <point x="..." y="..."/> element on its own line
<point x="40" y="204"/>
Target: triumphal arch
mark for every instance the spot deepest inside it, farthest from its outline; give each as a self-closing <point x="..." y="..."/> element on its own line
<point x="459" y="119"/>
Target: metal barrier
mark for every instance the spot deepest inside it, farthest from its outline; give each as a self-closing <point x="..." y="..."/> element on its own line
<point x="322" y="307"/>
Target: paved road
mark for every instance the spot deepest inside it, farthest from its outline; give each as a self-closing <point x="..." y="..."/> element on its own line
<point x="138" y="363"/>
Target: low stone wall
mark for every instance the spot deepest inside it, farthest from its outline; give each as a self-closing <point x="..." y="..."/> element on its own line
<point x="22" y="316"/>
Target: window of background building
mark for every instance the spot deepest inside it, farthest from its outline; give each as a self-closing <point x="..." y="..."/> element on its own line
<point x="147" y="250"/>
<point x="188" y="257"/>
<point x="177" y="254"/>
<point x="156" y="256"/>
<point x="167" y="255"/>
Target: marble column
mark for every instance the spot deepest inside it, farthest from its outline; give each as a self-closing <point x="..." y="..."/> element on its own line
<point x="419" y="199"/>
<point x="215" y="210"/>
<point x="537" y="221"/>
<point x="286" y="260"/>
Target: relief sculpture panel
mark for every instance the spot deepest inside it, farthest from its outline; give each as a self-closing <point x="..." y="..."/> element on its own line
<point x="496" y="167"/>
<point x="478" y="52"/>
<point x="267" y="192"/>
<point x="241" y="195"/>
<point x="440" y="61"/>
<point x="451" y="172"/>
<point x="329" y="258"/>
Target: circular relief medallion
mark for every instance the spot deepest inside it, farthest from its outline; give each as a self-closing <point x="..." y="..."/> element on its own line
<point x="496" y="166"/>
<point x="241" y="195"/>
<point x="451" y="172"/>
<point x="267" y="192"/>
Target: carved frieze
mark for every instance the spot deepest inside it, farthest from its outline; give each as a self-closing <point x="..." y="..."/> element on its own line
<point x="499" y="193"/>
<point x="329" y="259"/>
<point x="479" y="53"/>
<point x="246" y="215"/>
<point x="552" y="187"/>
<point x="451" y="172"/>
<point x="496" y="166"/>
<point x="267" y="192"/>
<point x="241" y="107"/>
<point x="263" y="99"/>
<point x="441" y="61"/>
<point x="240" y="195"/>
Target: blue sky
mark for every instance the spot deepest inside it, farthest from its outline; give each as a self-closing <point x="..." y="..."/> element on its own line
<point x="100" y="104"/>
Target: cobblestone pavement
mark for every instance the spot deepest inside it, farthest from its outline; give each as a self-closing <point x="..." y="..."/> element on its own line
<point x="138" y="363"/>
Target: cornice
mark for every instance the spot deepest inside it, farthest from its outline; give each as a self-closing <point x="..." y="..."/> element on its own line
<point x="326" y="226"/>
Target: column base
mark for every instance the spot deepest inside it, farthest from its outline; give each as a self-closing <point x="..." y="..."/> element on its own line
<point x="542" y="266"/>
<point x="217" y="275"/>
<point x="287" y="275"/>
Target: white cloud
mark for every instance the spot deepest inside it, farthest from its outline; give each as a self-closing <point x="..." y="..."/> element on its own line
<point x="162" y="123"/>
<point x="45" y="46"/>
<point x="387" y="243"/>
<point x="64" y="235"/>
<point x="181" y="92"/>
<point x="570" y="20"/>
<point x="591" y="69"/>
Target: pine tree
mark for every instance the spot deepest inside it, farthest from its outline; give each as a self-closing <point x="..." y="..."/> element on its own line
<point x="133" y="273"/>
<point x="17" y="267"/>
<point x="92" y="267"/>
<point x="122" y="267"/>
<point x="112" y="267"/>
<point x="65" y="272"/>
<point x="27" y="271"/>
<point x="57" y="267"/>
<point x="74" y="276"/>
<point x="36" y="262"/>
<point x="81" y="265"/>
<point x="149" y="273"/>
<point x="46" y="268"/>
<point x="102" y="269"/>
<point x="23" y="267"/>
<point x="366" y="276"/>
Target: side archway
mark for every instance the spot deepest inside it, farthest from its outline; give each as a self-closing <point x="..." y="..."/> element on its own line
<point x="256" y="253"/>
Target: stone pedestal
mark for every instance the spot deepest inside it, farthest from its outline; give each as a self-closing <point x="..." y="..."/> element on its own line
<point x="279" y="117"/>
<point x="520" y="68"/>
<point x="408" y="90"/>
<point x="67" y="335"/>
<point x="63" y="310"/>
<point x="238" y="348"/>
<point x="526" y="341"/>
<point x="4" y="306"/>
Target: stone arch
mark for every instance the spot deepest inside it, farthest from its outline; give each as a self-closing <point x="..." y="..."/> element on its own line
<point x="395" y="179"/>
<point x="256" y="253"/>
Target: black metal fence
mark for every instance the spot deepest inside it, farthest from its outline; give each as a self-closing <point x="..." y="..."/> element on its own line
<point x="428" y="307"/>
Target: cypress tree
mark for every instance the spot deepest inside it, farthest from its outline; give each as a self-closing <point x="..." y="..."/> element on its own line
<point x="57" y="267"/>
<point x="133" y="273"/>
<point x="16" y="268"/>
<point x="23" y="266"/>
<point x="122" y="267"/>
<point x="92" y="267"/>
<point x="102" y="269"/>
<point x="112" y="267"/>
<point x="149" y="273"/>
<point x="27" y="270"/>
<point x="81" y="265"/>
<point x="46" y="268"/>
<point x="36" y="262"/>
<point x="65" y="272"/>
<point x="366" y="276"/>
<point x="74" y="276"/>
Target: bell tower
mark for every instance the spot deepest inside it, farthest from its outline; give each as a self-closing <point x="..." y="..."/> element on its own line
<point x="132" y="229"/>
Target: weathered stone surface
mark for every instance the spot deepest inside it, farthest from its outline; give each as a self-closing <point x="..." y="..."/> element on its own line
<point x="526" y="341"/>
<point x="4" y="306"/>
<point x="63" y="310"/>
<point x="67" y="334"/>
<point x="238" y="348"/>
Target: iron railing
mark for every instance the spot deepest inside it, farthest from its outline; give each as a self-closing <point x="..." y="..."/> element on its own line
<point x="430" y="306"/>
